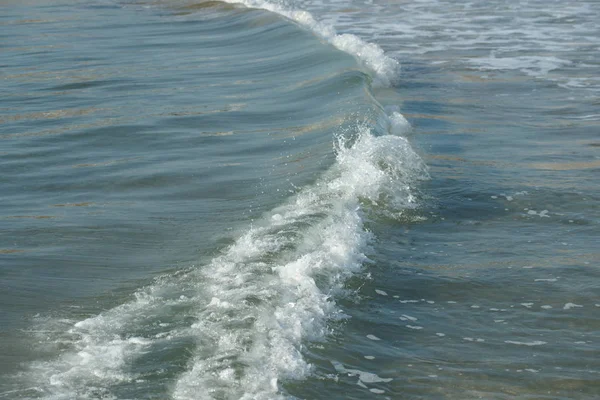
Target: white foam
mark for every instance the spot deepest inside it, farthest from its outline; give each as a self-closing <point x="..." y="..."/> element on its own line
<point x="568" y="306"/>
<point x="99" y="351"/>
<point x="536" y="66"/>
<point x="363" y="376"/>
<point x="542" y="214"/>
<point x="371" y="56"/>
<point x="406" y="317"/>
<point x="523" y="39"/>
<point x="534" y="343"/>
<point x="397" y="123"/>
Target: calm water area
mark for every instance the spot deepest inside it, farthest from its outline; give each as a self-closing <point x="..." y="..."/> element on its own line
<point x="300" y="199"/>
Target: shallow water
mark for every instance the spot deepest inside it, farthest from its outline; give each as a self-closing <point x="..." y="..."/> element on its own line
<point x="214" y="201"/>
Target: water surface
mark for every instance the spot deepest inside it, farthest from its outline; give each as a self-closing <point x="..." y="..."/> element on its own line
<point x="226" y="201"/>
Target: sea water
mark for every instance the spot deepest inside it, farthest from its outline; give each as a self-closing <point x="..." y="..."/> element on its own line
<point x="299" y="199"/>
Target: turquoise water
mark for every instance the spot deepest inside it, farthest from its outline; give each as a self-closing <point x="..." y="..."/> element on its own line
<point x="299" y="200"/>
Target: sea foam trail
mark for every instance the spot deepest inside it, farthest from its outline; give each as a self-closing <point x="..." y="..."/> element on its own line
<point x="244" y="318"/>
<point x="370" y="55"/>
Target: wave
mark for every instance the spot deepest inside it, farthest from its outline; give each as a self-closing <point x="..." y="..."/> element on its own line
<point x="246" y="316"/>
<point x="237" y="326"/>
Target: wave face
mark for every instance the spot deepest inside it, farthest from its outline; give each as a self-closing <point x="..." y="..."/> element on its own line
<point x="384" y="69"/>
<point x="314" y="155"/>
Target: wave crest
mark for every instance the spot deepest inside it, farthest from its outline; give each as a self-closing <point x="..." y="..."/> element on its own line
<point x="384" y="68"/>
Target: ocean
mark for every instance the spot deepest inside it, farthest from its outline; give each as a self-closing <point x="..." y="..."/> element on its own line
<point x="299" y="199"/>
